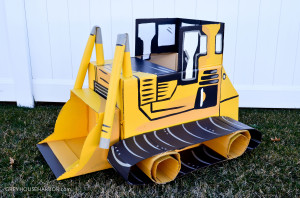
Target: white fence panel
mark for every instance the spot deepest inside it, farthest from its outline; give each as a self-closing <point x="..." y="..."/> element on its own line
<point x="7" y="85"/>
<point x="248" y="18"/>
<point x="261" y="49"/>
<point x="268" y="28"/>
<point x="228" y="13"/>
<point x="39" y="43"/>
<point x="163" y="9"/>
<point x="287" y="43"/>
<point x="19" y="57"/>
<point x="59" y="31"/>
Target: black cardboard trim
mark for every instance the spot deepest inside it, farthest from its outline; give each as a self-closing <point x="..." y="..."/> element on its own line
<point x="140" y="147"/>
<point x="51" y="159"/>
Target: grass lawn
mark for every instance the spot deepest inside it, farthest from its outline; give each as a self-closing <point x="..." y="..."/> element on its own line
<point x="273" y="169"/>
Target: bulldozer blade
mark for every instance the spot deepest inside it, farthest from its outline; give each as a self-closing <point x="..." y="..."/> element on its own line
<point x="51" y="159"/>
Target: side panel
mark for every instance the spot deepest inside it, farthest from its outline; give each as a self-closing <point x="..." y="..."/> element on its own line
<point x="229" y="103"/>
<point x="188" y="103"/>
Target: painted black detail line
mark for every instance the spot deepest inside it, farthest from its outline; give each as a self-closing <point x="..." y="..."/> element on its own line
<point x="145" y="85"/>
<point x="149" y="94"/>
<point x="147" y="80"/>
<point x="101" y="94"/>
<point x="102" y="71"/>
<point x="210" y="71"/>
<point x="209" y="77"/>
<point x="208" y="82"/>
<point x="162" y="95"/>
<point x="103" y="80"/>
<point x="146" y="89"/>
<point x="102" y="87"/>
<point x="162" y="87"/>
<point x="162" y="84"/>
<point x="229" y="98"/>
<point x="167" y="109"/>
<point x="101" y="90"/>
<point x="104" y="131"/>
<point x="146" y="99"/>
<point x="161" y="91"/>
<point x="105" y="125"/>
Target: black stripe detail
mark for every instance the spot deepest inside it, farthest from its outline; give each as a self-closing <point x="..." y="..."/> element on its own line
<point x="162" y="87"/>
<point x="102" y="71"/>
<point x="147" y="94"/>
<point x="147" y="80"/>
<point x="229" y="98"/>
<point x="159" y="110"/>
<point x="210" y="71"/>
<point x="98" y="89"/>
<point x="209" y="77"/>
<point x="104" y="131"/>
<point x="209" y="82"/>
<point x="162" y="84"/>
<point x="104" y="80"/>
<point x="147" y="99"/>
<point x="146" y="89"/>
<point x="161" y="91"/>
<point x="145" y="85"/>
<point x="105" y="125"/>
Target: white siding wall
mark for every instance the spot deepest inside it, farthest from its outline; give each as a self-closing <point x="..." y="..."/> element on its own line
<point x="42" y="41"/>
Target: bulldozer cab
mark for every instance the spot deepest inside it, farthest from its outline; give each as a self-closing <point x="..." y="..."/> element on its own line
<point x="177" y="74"/>
<point x="183" y="45"/>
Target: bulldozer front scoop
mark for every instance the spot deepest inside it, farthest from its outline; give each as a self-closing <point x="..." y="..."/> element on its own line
<point x="73" y="148"/>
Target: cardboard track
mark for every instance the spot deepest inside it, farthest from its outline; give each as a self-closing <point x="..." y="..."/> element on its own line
<point x="125" y="154"/>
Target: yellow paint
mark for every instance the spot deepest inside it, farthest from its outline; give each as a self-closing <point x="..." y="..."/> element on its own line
<point x="127" y="71"/>
<point x="228" y="108"/>
<point x="227" y="89"/>
<point x="230" y="146"/>
<point x="211" y="58"/>
<point x="183" y="96"/>
<point x="99" y="54"/>
<point x="91" y="74"/>
<point x="161" y="168"/>
<point x="84" y="62"/>
<point x="89" y="97"/>
<point x="63" y="153"/>
<point x="113" y="91"/>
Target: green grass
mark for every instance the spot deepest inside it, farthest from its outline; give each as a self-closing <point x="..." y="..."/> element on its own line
<point x="271" y="170"/>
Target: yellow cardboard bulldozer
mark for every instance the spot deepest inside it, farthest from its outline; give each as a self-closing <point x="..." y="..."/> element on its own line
<point x="166" y="112"/>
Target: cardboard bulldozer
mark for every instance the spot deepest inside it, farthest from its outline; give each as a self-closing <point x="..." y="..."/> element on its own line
<point x="154" y="117"/>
